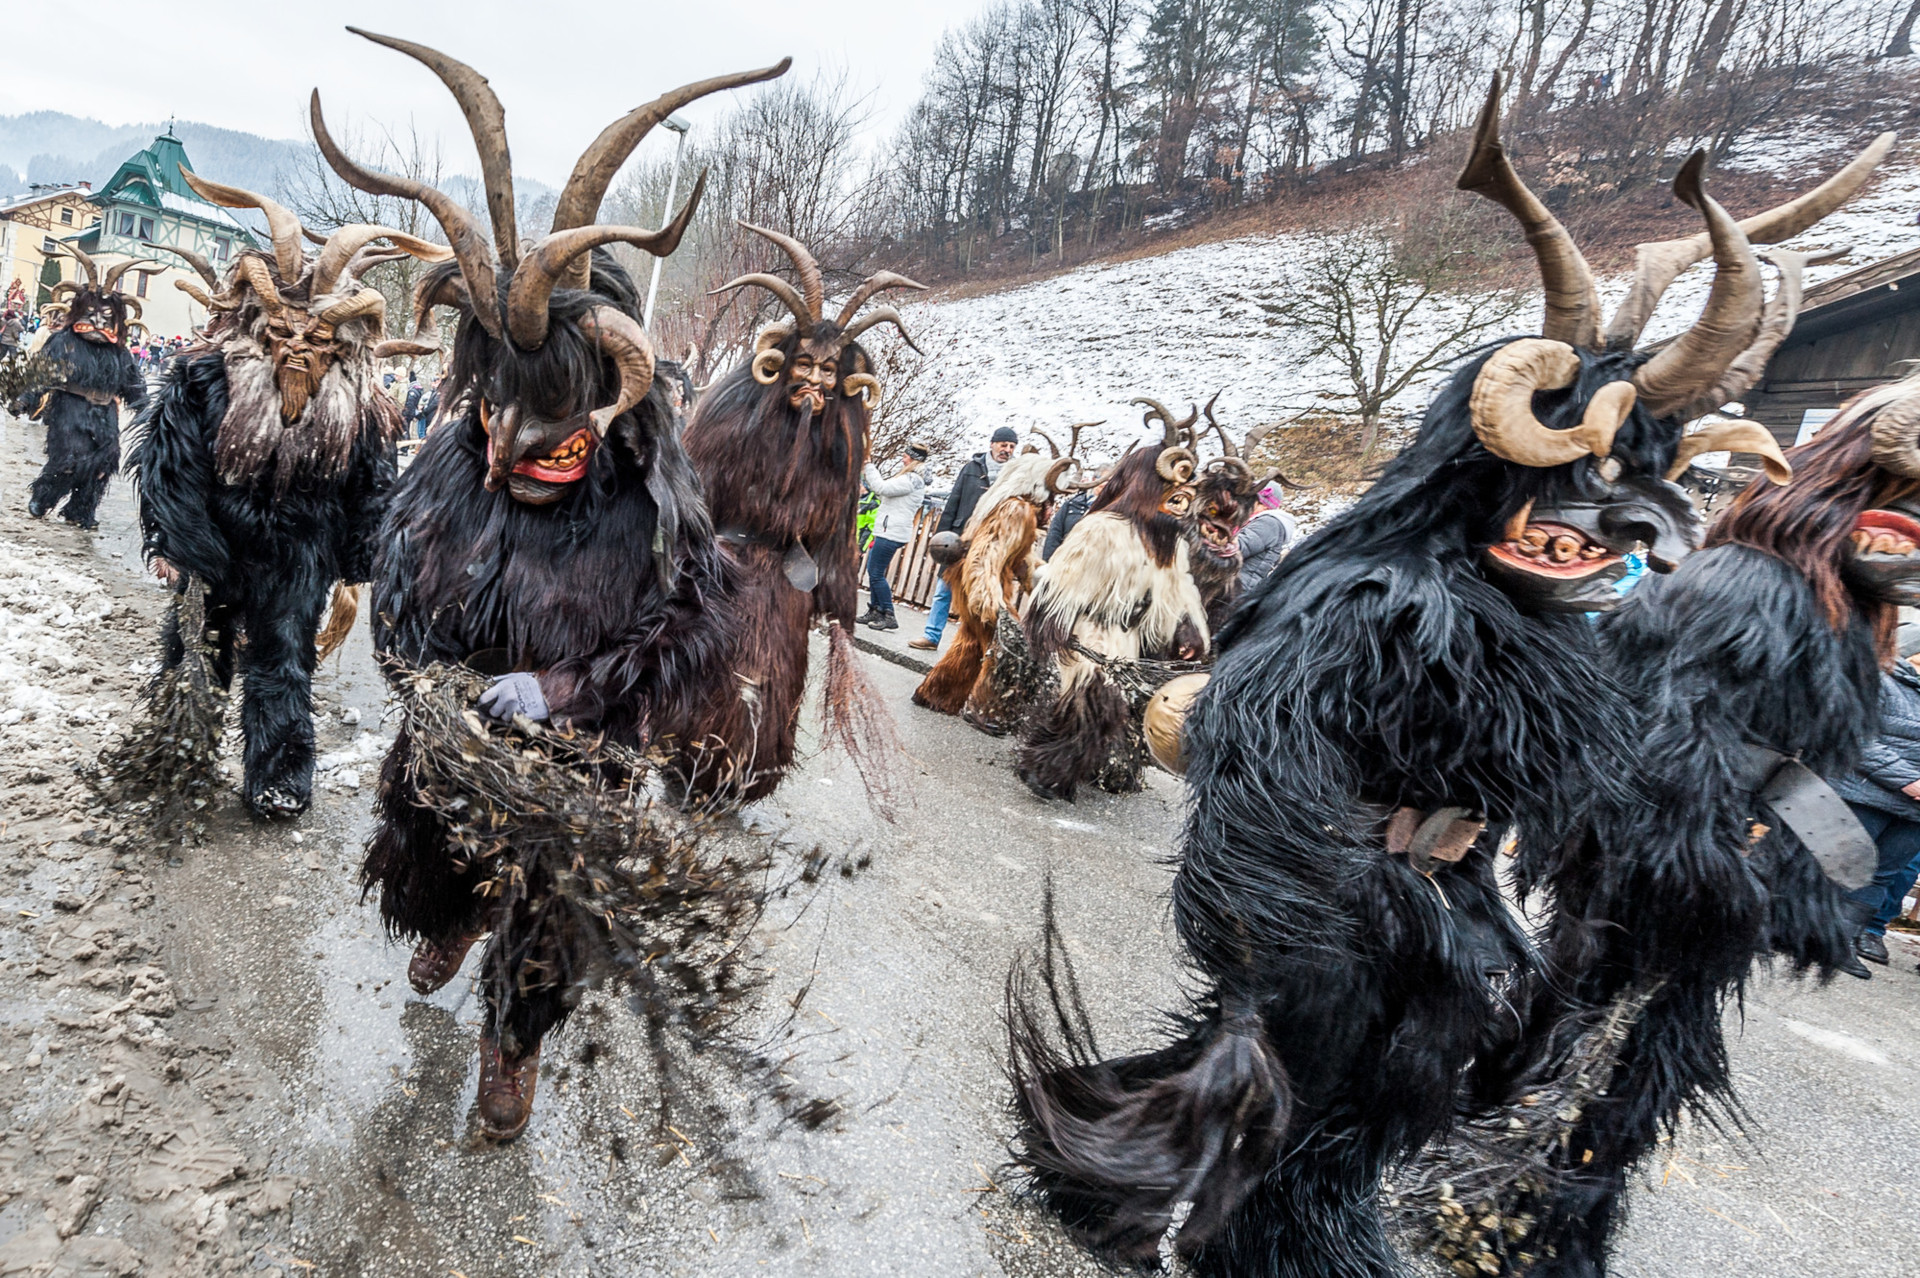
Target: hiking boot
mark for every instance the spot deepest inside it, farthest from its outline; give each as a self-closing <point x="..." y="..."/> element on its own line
<point x="883" y="621"/>
<point x="434" y="964"/>
<point x="866" y="618"/>
<point x="923" y="643"/>
<point x="1872" y="948"/>
<point x="506" y="1091"/>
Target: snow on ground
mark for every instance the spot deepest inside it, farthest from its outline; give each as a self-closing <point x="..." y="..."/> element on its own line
<point x="49" y="614"/>
<point x="1186" y="323"/>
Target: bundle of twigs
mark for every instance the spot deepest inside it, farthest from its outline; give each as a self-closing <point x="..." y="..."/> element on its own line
<point x="20" y="373"/>
<point x="586" y="877"/>
<point x="167" y="765"/>
<point x="1470" y="1199"/>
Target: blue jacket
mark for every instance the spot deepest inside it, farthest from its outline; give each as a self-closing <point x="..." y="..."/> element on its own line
<point x="1893" y="760"/>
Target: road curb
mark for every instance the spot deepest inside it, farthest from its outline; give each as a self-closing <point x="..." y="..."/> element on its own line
<point x="885" y="653"/>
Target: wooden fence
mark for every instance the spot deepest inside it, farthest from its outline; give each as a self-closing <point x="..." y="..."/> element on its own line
<point x="913" y="575"/>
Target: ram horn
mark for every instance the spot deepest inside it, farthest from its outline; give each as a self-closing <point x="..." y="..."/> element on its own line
<point x="622" y="339"/>
<point x="86" y="261"/>
<point x="767" y="365"/>
<point x="811" y="287"/>
<point x="134" y="309"/>
<point x="579" y="202"/>
<point x="339" y="249"/>
<point x="201" y="266"/>
<point x="1573" y="304"/>
<point x="257" y="277"/>
<point x="550" y="264"/>
<point x="194" y="291"/>
<point x="1656" y="266"/>
<point x="1174" y="433"/>
<point x="873" y="284"/>
<point x="463" y="232"/>
<point x="368" y="301"/>
<point x="1501" y="406"/>
<point x="1732" y="437"/>
<point x="881" y="315"/>
<point x="1728" y="323"/>
<point x="487" y="121"/>
<point x="864" y="385"/>
<point x="1052" y="447"/>
<point x="368" y="258"/>
<point x="282" y="226"/>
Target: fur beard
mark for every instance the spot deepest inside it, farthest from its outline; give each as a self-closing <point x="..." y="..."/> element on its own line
<point x="255" y="443"/>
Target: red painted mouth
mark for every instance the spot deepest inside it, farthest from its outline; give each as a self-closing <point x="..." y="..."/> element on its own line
<point x="1554" y="550"/>
<point x="1885" y="532"/>
<point x="564" y="465"/>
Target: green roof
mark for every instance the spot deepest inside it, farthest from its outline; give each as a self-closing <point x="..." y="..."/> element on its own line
<point x="143" y="176"/>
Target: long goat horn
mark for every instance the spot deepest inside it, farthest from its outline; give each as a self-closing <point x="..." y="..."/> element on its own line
<point x="579" y="202"/>
<point x="552" y="262"/>
<point x="622" y="338"/>
<point x="1775" y="324"/>
<point x="254" y="271"/>
<point x="282" y="226"/>
<point x="1051" y="446"/>
<point x="879" y="315"/>
<point x="1657" y="265"/>
<point x="774" y="285"/>
<point x="463" y="232"/>
<point x="80" y="255"/>
<point x="434" y="289"/>
<point x="368" y="301"/>
<point x="201" y="265"/>
<point x="118" y="269"/>
<point x="1170" y="432"/>
<point x="1728" y="323"/>
<point x="487" y="121"/>
<point x="1502" y="405"/>
<point x="811" y="286"/>
<point x="1227" y="447"/>
<point x="873" y="284"/>
<point x="340" y="247"/>
<point x="1573" y="305"/>
<point x="194" y="291"/>
<point x="1732" y="437"/>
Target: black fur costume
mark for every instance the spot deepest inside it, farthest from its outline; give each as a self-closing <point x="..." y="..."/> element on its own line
<point x="88" y="375"/>
<point x="264" y="485"/>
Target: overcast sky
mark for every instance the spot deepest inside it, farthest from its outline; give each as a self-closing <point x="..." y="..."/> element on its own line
<point x="564" y="69"/>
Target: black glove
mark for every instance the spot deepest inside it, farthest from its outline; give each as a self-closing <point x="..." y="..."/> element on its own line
<point x="512" y="694"/>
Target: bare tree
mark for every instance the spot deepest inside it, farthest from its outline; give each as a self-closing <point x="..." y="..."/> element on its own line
<point x="919" y="402"/>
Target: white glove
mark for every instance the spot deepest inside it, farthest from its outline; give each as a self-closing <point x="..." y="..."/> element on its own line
<point x="512" y="694"/>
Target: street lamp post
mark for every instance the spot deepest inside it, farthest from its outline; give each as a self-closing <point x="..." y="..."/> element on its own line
<point x="679" y="126"/>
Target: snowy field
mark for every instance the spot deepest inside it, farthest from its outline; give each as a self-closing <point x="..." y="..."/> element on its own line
<point x="1181" y="325"/>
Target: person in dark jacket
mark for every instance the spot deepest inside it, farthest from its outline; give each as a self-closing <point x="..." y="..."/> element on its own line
<point x="974" y="479"/>
<point x="1267" y="536"/>
<point x="1884" y="792"/>
<point x="411" y="408"/>
<point x="1066" y="515"/>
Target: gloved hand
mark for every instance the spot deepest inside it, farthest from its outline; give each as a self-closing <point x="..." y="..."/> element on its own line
<point x="511" y="694"/>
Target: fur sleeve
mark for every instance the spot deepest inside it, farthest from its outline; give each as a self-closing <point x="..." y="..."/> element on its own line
<point x="370" y="480"/>
<point x="172" y="468"/>
<point x="1006" y="531"/>
<point x="133" y="384"/>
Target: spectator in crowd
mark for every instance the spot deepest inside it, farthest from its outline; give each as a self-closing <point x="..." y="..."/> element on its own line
<point x="429" y="406"/>
<point x="974" y="479"/>
<point x="1070" y="512"/>
<point x="900" y="499"/>
<point x="1268" y="535"/>
<point x="12" y="334"/>
<point x="410" y="407"/>
<point x="1884" y="792"/>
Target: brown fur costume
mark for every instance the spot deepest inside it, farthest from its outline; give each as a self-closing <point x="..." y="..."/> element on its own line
<point x="1120" y="588"/>
<point x="1000" y="556"/>
<point x="779" y="444"/>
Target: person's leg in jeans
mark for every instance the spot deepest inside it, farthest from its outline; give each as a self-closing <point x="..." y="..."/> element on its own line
<point x="1898" y="842"/>
<point x="938" y="610"/>
<point x="879" y="593"/>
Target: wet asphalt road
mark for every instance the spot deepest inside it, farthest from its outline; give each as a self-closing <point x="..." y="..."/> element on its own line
<point x="364" y="1090"/>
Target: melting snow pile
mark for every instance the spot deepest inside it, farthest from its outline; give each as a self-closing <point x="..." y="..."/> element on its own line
<point x="48" y="615"/>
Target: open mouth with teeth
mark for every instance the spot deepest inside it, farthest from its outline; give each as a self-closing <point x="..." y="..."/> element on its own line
<point x="1217" y="539"/>
<point x="1885" y="532"/>
<point x="1553" y="550"/>
<point x="564" y="464"/>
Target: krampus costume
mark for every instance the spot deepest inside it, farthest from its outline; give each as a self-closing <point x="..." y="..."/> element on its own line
<point x="1223" y="498"/>
<point x="263" y="465"/>
<point x="1756" y="667"/>
<point x="550" y="532"/>
<point x="779" y="444"/>
<point x="81" y="377"/>
<point x="998" y="558"/>
<point x="1119" y="590"/>
<point x="1407" y="687"/>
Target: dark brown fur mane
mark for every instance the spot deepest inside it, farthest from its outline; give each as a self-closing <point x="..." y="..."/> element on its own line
<point x="1135" y="491"/>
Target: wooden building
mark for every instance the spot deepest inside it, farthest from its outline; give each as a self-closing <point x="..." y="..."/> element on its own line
<point x="1854" y="331"/>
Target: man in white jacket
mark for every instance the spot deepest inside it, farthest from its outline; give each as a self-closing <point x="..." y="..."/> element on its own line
<point x="900" y="499"/>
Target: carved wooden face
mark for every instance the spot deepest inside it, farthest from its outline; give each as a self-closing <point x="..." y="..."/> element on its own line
<point x="303" y="348"/>
<point x="812" y="375"/>
<point x="97" y="317"/>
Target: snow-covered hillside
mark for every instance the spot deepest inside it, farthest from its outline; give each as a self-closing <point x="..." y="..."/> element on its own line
<point x="1184" y="324"/>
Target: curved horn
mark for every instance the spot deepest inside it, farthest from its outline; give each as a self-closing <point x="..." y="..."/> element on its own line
<point x="1056" y="474"/>
<point x="1732" y="437"/>
<point x="111" y="280"/>
<point x="282" y="226"/>
<point x="87" y="263"/>
<point x="434" y="289"/>
<point x="368" y="258"/>
<point x="1728" y="323"/>
<point x="1051" y="446"/>
<point x="1155" y="408"/>
<point x="865" y="385"/>
<point x="874" y="284"/>
<point x="339" y="248"/>
<point x="487" y="121"/>
<point x="202" y="267"/>
<point x="1228" y="449"/>
<point x="1175" y="465"/>
<point x="1073" y="439"/>
<point x="368" y="301"/>
<point x="593" y="172"/>
<point x="810" y="282"/>
<point x="194" y="291"/>
<point x="64" y="286"/>
<point x="1573" y="305"/>
<point x="1657" y="265"/>
<point x="1775" y="324"/>
<point x="1502" y="406"/>
<point x="774" y="285"/>
<point x="880" y="315"/>
<point x="1896" y="424"/>
<point x="551" y="264"/>
<point x="620" y="336"/>
<point x="254" y="271"/>
<point x="463" y="233"/>
<point x="767" y="365"/>
<point x="135" y="310"/>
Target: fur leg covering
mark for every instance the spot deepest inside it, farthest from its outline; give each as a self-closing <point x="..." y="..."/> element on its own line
<point x="426" y="888"/>
<point x="947" y="686"/>
<point x="1073" y="739"/>
<point x="83" y="451"/>
<point x="276" y="705"/>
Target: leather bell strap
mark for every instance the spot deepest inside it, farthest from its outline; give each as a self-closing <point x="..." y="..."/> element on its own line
<point x="802" y="573"/>
<point x="1443" y="835"/>
<point x="1809" y="807"/>
<point x="98" y="398"/>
